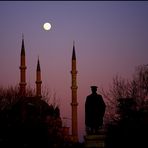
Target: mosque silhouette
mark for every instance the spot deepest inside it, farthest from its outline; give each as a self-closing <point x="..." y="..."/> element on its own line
<point x="22" y="89"/>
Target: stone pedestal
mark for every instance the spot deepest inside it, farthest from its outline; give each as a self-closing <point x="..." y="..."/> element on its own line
<point x="95" y="141"/>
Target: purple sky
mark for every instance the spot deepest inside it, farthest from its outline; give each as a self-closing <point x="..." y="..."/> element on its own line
<point x="110" y="38"/>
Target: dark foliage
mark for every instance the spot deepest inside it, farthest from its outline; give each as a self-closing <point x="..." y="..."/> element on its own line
<point x="29" y="123"/>
<point x="131" y="128"/>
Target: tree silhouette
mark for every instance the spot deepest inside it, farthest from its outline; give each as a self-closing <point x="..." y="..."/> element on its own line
<point x="130" y="122"/>
<point x="28" y="121"/>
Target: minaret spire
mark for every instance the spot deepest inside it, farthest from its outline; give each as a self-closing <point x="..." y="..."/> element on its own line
<point x="73" y="52"/>
<point x="22" y="70"/>
<point x="38" y="65"/>
<point x="74" y="103"/>
<point x="38" y="79"/>
<point x="23" y="47"/>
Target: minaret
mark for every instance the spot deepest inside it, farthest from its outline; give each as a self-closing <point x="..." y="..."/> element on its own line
<point x="74" y="103"/>
<point x="38" y="80"/>
<point x="22" y="70"/>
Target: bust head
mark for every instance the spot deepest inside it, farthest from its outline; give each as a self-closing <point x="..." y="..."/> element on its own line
<point x="94" y="89"/>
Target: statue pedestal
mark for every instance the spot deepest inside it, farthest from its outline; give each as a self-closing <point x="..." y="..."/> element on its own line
<point x="95" y="141"/>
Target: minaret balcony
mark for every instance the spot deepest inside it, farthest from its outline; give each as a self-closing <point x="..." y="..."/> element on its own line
<point x="74" y="87"/>
<point x="74" y="72"/>
<point x="74" y="104"/>
<point x="22" y="83"/>
<point x="23" y="67"/>
<point x="38" y="82"/>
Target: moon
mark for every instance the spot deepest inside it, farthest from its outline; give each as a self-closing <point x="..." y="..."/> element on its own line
<point x="47" y="26"/>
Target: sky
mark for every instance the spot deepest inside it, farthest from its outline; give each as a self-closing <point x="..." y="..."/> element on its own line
<point x="111" y="37"/>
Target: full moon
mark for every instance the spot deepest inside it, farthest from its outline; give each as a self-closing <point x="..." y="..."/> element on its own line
<point x="47" y="26"/>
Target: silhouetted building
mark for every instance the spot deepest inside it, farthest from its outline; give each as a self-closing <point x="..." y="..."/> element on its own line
<point x="74" y="103"/>
<point x="38" y="80"/>
<point x="34" y="108"/>
<point x="23" y="74"/>
<point x="65" y="132"/>
<point x="23" y="70"/>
